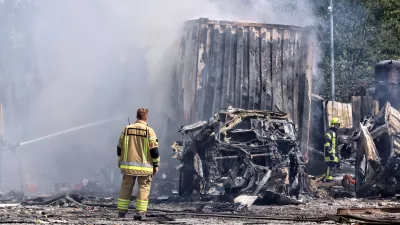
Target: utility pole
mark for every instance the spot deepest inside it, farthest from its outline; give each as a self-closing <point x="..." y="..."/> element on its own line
<point x="332" y="56"/>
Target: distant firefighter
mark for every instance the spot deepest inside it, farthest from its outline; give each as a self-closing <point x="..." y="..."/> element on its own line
<point x="331" y="152"/>
<point x="138" y="159"/>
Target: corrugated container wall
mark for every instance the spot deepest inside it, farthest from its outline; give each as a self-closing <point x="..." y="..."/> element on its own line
<point x="245" y="65"/>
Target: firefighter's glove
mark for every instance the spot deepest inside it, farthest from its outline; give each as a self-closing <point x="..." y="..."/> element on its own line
<point x="332" y="157"/>
<point x="155" y="170"/>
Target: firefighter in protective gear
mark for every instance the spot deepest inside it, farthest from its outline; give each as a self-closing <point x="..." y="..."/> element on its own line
<point x="138" y="159"/>
<point x="331" y="153"/>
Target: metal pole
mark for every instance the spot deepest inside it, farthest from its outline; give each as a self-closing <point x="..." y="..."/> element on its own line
<point x="332" y="57"/>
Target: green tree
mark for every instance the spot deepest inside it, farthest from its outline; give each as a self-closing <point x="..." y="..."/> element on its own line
<point x="365" y="32"/>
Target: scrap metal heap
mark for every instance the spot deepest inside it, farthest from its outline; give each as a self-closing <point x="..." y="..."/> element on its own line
<point x="241" y="152"/>
<point x="376" y="144"/>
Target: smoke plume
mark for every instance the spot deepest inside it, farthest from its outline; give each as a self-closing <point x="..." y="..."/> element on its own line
<point x="91" y="60"/>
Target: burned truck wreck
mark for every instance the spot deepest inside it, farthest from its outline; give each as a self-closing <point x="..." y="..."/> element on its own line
<point x="376" y="144"/>
<point x="241" y="152"/>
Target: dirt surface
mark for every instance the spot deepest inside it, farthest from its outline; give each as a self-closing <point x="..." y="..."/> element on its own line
<point x="97" y="215"/>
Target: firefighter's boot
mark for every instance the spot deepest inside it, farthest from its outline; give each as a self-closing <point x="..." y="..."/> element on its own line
<point x="139" y="216"/>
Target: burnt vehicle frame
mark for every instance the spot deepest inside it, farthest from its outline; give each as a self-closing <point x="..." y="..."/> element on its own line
<point x="377" y="145"/>
<point x="240" y="152"/>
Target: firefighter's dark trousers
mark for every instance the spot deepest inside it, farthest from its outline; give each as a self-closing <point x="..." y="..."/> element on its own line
<point x="330" y="170"/>
<point x="125" y="195"/>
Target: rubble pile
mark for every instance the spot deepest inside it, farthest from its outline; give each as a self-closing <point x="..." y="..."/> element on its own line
<point x="241" y="152"/>
<point x="376" y="146"/>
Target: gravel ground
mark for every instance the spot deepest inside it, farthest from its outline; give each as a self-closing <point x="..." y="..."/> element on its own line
<point x="70" y="215"/>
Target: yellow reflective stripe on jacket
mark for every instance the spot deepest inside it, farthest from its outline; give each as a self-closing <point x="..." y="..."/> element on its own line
<point x="156" y="160"/>
<point x="333" y="150"/>
<point x="153" y="138"/>
<point x="328" y="159"/>
<point x="331" y="143"/>
<point x="146" y="143"/>
<point x="136" y="164"/>
<point x="126" y="148"/>
<point x="138" y="168"/>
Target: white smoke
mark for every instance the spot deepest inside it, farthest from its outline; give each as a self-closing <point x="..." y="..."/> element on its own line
<point x="97" y="59"/>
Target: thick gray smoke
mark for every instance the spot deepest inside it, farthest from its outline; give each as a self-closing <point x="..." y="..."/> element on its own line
<point x="92" y="60"/>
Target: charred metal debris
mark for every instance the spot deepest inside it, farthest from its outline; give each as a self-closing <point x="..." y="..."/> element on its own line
<point x="241" y="152"/>
<point x="376" y="146"/>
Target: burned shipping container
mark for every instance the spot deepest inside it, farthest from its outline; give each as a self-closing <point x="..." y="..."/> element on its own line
<point x="244" y="65"/>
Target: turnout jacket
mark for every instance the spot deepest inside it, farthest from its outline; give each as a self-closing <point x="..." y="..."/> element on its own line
<point x="136" y="150"/>
<point x="331" y="146"/>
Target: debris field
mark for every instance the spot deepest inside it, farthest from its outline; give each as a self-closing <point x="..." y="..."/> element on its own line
<point x="192" y="213"/>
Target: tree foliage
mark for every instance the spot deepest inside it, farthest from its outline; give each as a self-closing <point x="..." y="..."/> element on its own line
<point x="365" y="33"/>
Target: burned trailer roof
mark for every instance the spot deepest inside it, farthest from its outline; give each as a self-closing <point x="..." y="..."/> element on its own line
<point x="243" y="151"/>
<point x="247" y="128"/>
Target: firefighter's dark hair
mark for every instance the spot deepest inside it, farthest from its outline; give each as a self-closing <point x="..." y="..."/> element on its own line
<point x="141" y="114"/>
